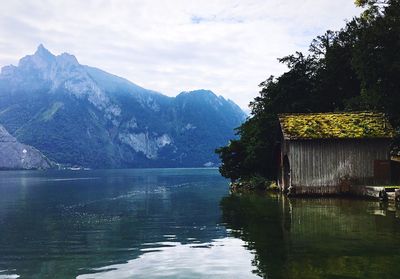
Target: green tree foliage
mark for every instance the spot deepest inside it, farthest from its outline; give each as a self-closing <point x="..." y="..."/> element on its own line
<point x="356" y="68"/>
<point x="233" y="157"/>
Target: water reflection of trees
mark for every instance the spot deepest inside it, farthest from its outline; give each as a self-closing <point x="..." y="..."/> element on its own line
<point x="258" y="221"/>
<point x="316" y="238"/>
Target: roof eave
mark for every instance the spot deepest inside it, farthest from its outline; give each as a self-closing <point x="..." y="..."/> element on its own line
<point x="344" y="138"/>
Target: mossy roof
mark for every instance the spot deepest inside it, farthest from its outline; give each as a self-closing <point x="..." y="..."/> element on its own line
<point x="348" y="125"/>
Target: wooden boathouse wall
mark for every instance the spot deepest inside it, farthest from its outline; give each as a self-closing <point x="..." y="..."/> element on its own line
<point x="396" y="171"/>
<point x="328" y="166"/>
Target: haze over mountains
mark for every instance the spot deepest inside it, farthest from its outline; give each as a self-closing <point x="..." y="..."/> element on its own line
<point x="80" y="115"/>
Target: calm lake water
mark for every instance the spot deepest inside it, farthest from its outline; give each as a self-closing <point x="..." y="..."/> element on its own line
<point x="182" y="223"/>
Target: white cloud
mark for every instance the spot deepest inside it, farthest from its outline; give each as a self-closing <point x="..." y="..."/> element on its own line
<point x="177" y="45"/>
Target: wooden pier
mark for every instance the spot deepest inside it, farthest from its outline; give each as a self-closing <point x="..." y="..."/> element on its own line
<point x="383" y="193"/>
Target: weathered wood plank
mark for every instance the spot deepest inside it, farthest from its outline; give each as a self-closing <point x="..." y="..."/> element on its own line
<point x="327" y="163"/>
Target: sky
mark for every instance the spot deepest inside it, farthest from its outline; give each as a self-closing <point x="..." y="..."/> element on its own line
<point x="171" y="46"/>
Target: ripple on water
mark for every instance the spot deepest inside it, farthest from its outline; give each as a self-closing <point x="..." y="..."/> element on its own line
<point x="8" y="274"/>
<point x="221" y="258"/>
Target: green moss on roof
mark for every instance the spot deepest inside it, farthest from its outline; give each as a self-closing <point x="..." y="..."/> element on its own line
<point x="351" y="125"/>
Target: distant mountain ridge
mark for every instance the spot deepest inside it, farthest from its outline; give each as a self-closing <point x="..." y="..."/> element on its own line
<point x="81" y="115"/>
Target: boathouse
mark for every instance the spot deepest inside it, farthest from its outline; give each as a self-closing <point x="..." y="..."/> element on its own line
<point x="328" y="153"/>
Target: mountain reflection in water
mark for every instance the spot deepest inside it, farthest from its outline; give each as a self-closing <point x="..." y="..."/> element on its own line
<point x="143" y="223"/>
<point x="182" y="223"/>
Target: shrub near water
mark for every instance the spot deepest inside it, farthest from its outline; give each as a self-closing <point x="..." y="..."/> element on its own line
<point x="255" y="183"/>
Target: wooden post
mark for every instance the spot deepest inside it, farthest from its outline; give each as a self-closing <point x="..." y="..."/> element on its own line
<point x="383" y="195"/>
<point x="397" y="195"/>
<point x="376" y="192"/>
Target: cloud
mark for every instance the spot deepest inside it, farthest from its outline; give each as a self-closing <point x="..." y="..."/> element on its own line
<point x="176" y="45"/>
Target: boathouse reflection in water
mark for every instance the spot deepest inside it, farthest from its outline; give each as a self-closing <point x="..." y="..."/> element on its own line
<point x="316" y="237"/>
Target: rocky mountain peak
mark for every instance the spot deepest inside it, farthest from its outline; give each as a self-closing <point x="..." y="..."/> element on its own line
<point x="40" y="60"/>
<point x="43" y="52"/>
<point x="46" y="62"/>
<point x="84" y="116"/>
<point x="66" y="58"/>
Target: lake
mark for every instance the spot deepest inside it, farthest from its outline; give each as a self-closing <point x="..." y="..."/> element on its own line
<point x="182" y="223"/>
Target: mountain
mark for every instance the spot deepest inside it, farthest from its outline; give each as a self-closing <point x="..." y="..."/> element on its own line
<point x="14" y="155"/>
<point x="80" y="115"/>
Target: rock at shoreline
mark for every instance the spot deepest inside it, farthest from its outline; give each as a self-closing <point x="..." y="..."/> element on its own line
<point x="15" y="155"/>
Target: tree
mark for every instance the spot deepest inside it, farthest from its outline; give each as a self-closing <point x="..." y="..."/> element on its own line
<point x="356" y="68"/>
